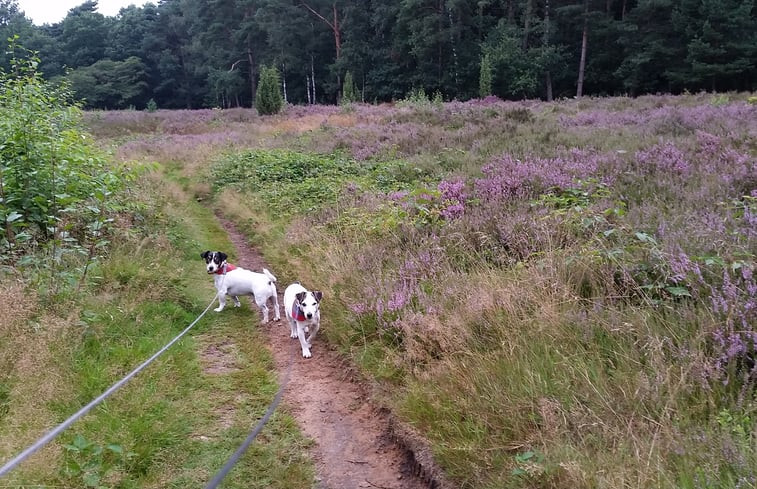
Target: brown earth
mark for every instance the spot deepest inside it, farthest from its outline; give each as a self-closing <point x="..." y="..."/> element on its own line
<point x="357" y="444"/>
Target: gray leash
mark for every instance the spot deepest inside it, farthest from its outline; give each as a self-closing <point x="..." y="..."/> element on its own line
<point x="258" y="428"/>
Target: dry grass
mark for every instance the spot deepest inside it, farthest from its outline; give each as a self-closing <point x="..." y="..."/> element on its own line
<point x="312" y="122"/>
<point x="30" y="357"/>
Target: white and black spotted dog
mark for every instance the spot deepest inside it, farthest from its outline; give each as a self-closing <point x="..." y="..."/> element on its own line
<point x="302" y="310"/>
<point x="236" y="281"/>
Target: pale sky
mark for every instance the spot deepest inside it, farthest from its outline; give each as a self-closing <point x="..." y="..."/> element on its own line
<point x="51" y="11"/>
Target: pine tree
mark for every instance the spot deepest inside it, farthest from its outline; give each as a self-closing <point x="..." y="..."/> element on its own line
<point x="268" y="99"/>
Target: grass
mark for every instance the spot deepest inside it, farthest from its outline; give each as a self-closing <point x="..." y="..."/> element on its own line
<point x="175" y="423"/>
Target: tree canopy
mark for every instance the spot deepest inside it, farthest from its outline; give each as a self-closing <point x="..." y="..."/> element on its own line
<point x="209" y="53"/>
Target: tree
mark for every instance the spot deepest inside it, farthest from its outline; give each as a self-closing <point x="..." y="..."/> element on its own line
<point x="721" y="45"/>
<point x="12" y="23"/>
<point x="268" y="99"/>
<point x="653" y="49"/>
<point x="350" y="93"/>
<point x="111" y="84"/>
<point x="584" y="43"/>
<point x="85" y="34"/>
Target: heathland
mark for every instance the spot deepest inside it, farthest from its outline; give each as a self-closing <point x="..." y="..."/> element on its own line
<point x="554" y="294"/>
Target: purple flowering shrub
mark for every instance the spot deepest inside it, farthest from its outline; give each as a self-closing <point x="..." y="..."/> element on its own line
<point x="629" y="233"/>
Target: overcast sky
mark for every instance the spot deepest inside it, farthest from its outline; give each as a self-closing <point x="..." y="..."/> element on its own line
<point x="51" y="11"/>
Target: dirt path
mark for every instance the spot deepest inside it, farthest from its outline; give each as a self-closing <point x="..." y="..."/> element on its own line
<point x="356" y="444"/>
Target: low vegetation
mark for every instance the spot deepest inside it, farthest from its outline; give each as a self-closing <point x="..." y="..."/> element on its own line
<point x="556" y="295"/>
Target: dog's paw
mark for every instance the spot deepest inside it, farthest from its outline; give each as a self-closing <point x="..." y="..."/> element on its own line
<point x="306" y="353"/>
<point x="293" y="335"/>
<point x="238" y="304"/>
<point x="218" y="309"/>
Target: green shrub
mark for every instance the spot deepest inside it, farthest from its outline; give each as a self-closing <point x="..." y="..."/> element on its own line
<point x="288" y="181"/>
<point x="268" y="98"/>
<point x="54" y="181"/>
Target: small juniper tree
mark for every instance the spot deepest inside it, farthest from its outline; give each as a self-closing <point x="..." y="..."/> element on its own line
<point x="268" y="99"/>
<point x="349" y="90"/>
<point x="485" y="77"/>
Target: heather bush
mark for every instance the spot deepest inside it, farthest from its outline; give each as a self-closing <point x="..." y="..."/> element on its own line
<point x="640" y="251"/>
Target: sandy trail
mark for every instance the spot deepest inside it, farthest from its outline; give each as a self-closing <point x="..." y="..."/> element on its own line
<point x="356" y="445"/>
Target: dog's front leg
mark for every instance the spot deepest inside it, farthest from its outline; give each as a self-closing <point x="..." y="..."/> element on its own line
<point x="293" y="328"/>
<point x="304" y="344"/>
<point x="313" y="331"/>
<point x="221" y="300"/>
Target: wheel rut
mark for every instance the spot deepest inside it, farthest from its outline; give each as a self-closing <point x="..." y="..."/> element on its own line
<point x="356" y="443"/>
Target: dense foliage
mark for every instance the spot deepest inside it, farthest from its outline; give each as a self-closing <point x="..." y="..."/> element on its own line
<point x="194" y="53"/>
<point x="55" y="187"/>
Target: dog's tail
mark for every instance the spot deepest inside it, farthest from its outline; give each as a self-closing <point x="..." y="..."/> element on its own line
<point x="269" y="275"/>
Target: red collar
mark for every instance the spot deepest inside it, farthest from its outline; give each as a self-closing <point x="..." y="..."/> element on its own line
<point x="297" y="312"/>
<point x="227" y="267"/>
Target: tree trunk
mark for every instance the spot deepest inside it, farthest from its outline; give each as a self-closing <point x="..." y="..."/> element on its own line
<point x="548" y="75"/>
<point x="284" y="82"/>
<point x="584" y="42"/>
<point x="454" y="48"/>
<point x="307" y="83"/>
<point x="334" y="25"/>
<point x="253" y="86"/>
<point x="439" y="43"/>
<point x="337" y="33"/>
<point x="312" y="75"/>
<point x="526" y="24"/>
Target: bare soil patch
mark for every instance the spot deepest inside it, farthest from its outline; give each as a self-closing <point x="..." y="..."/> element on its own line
<point x="357" y="444"/>
<point x="219" y="358"/>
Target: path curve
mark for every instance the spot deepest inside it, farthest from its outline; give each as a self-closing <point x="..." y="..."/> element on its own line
<point x="357" y="445"/>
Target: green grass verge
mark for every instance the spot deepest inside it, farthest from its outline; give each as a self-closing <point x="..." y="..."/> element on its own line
<point x="178" y="421"/>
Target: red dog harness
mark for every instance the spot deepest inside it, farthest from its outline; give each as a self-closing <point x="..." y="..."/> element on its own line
<point x="227" y="267"/>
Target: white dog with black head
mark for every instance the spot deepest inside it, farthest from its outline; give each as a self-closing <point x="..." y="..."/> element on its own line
<point x="302" y="310"/>
<point x="236" y="281"/>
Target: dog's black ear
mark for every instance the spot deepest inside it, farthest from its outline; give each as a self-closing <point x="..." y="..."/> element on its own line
<point x="222" y="256"/>
<point x="318" y="295"/>
<point x="300" y="296"/>
<point x="204" y="255"/>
